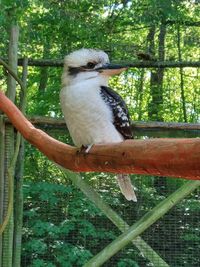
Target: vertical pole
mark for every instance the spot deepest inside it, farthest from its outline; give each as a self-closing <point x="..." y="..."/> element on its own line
<point x="12" y="60"/>
<point x="2" y="148"/>
<point x="7" y="246"/>
<point x="18" y="204"/>
<point x="8" y="232"/>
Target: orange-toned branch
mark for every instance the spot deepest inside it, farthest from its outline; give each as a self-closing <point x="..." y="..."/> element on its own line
<point x="163" y="157"/>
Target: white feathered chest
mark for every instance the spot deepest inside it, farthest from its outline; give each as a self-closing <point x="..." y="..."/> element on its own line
<point x="88" y="118"/>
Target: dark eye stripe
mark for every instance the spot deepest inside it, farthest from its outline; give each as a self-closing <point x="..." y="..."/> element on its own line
<point x="74" y="71"/>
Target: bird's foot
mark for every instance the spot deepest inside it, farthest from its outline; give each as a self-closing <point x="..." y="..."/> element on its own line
<point x="88" y="148"/>
<point x="84" y="149"/>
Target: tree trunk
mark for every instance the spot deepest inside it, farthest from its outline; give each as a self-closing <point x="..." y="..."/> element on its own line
<point x="156" y="91"/>
<point x="156" y="81"/>
<point x="181" y="76"/>
<point x="44" y="70"/>
<point x="140" y="92"/>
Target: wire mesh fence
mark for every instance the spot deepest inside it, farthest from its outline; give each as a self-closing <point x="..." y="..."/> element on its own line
<point x="62" y="227"/>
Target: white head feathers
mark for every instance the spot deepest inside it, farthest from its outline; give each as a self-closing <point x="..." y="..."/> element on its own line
<point x="83" y="56"/>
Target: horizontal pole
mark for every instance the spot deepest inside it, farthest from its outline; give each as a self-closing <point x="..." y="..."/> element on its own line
<point x="191" y="129"/>
<point x="166" y="125"/>
<point x="163" y="64"/>
<point x="161" y="157"/>
<point x="37" y="120"/>
<point x="134" y="64"/>
<point x="186" y="23"/>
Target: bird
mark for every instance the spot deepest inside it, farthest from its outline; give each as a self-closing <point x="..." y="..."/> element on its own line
<point x="94" y="113"/>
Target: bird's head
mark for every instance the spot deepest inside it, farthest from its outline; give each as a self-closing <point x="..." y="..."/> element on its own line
<point x="86" y="64"/>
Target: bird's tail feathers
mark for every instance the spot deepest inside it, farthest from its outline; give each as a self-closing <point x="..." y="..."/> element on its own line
<point x="126" y="187"/>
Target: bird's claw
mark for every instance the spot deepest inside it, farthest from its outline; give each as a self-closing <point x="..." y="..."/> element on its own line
<point x="84" y="149"/>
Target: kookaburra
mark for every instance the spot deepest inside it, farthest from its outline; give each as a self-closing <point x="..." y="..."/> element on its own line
<point x="94" y="113"/>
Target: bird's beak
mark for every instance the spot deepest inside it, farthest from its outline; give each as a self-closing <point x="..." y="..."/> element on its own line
<point x="111" y="69"/>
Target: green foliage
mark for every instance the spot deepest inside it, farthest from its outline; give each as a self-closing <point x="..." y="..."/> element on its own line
<point x="42" y="263"/>
<point x="60" y="220"/>
<point x="42" y="235"/>
<point x="127" y="263"/>
<point x="61" y="227"/>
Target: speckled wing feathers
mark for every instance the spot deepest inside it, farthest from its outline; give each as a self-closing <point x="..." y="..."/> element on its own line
<point x="120" y="111"/>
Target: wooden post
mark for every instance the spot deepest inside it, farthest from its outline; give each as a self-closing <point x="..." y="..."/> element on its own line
<point x="8" y="232"/>
<point x="7" y="254"/>
<point x="2" y="150"/>
<point x="18" y="204"/>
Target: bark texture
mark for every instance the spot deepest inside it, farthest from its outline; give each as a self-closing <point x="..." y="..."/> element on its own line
<point x="161" y="157"/>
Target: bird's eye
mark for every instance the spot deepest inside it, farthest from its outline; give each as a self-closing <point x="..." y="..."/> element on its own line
<point x="90" y="65"/>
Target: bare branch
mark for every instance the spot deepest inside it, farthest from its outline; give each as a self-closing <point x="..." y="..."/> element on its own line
<point x="162" y="157"/>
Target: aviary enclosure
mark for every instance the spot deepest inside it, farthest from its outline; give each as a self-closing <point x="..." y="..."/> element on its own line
<point x="54" y="217"/>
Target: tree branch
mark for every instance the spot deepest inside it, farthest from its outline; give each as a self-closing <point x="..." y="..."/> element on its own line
<point x="11" y="72"/>
<point x="162" y="157"/>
